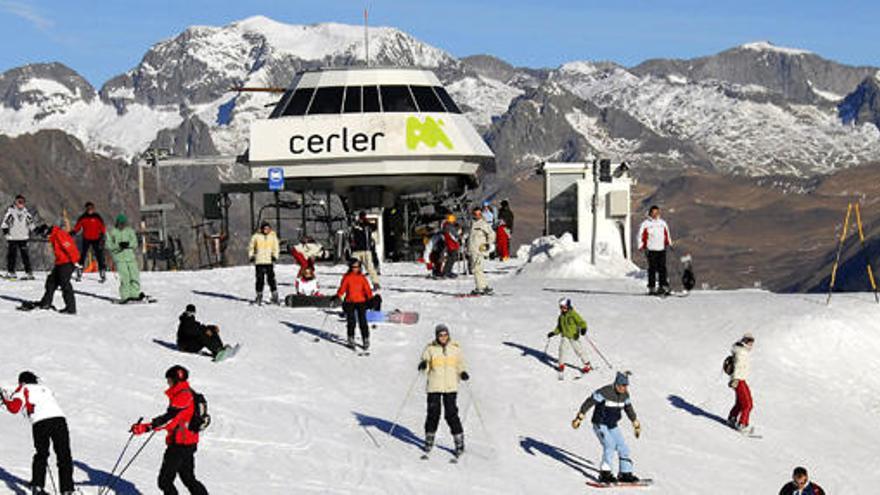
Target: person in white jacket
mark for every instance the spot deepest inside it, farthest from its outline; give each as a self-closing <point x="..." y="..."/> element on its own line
<point x="49" y="425"/>
<point x="739" y="415"/>
<point x="654" y="238"/>
<point x="480" y="242"/>
<point x="17" y="225"/>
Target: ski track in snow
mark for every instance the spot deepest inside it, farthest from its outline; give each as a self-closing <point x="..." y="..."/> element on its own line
<point x="294" y="416"/>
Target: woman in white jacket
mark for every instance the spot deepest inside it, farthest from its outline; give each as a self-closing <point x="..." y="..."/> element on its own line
<point x="739" y="415"/>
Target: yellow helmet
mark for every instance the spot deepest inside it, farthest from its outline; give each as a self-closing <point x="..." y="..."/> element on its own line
<point x="451" y="218"/>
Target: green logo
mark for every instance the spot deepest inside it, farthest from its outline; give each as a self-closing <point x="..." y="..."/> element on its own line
<point x="428" y="132"/>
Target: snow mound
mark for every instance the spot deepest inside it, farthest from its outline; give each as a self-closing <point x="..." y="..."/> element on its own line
<point x="562" y="257"/>
<point x="766" y="46"/>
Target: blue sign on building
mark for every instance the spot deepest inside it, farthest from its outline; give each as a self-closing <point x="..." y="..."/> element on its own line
<point x="276" y="179"/>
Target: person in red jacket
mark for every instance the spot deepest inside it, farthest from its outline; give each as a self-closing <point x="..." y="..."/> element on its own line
<point x="93" y="231"/>
<point x="66" y="261"/>
<point x="181" y="439"/>
<point x="356" y="292"/>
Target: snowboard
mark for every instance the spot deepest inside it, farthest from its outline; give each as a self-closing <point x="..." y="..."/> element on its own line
<point x="302" y="301"/>
<point x="144" y="300"/>
<point x="397" y="317"/>
<point x="30" y="306"/>
<point x="643" y="483"/>
<point x="226" y="353"/>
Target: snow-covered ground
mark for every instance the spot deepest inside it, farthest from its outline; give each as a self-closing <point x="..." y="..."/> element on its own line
<point x="292" y="415"/>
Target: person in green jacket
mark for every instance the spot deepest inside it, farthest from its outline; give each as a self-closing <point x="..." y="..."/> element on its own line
<point x="122" y="243"/>
<point x="570" y="326"/>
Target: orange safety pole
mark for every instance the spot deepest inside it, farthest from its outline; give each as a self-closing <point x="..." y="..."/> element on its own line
<point x="843" y="233"/>
<point x="867" y="260"/>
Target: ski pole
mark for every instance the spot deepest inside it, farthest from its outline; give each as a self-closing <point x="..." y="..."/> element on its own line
<point x="119" y="459"/>
<point x="467" y="386"/>
<point x="52" y="480"/>
<point x="400" y="409"/>
<point x="130" y="461"/>
<point x="547" y="345"/>
<point x="598" y="351"/>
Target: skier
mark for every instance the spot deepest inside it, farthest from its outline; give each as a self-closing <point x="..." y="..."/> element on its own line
<point x="480" y="240"/>
<point x="739" y="415"/>
<point x="362" y="246"/>
<point x="263" y="252"/>
<point x="800" y="484"/>
<point x="654" y="238"/>
<point x="122" y="242"/>
<point x="66" y="262"/>
<point x="181" y="439"/>
<point x="443" y="362"/>
<point x="356" y="292"/>
<point x="93" y="234"/>
<point x="504" y="230"/>
<point x="307" y="283"/>
<point x="48" y="425"/>
<point x="17" y="226"/>
<point x="193" y="336"/>
<point x="451" y="233"/>
<point x="435" y="245"/>
<point x="609" y="402"/>
<point x="570" y="326"/>
<point x="305" y="253"/>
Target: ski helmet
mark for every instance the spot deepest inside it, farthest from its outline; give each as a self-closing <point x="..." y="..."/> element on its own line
<point x="177" y="374"/>
<point x="27" y="377"/>
<point x="451" y="218"/>
<point x="565" y="302"/>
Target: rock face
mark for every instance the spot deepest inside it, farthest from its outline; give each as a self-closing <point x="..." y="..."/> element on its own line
<point x="862" y="105"/>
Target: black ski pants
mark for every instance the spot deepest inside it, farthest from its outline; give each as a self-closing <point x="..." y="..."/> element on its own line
<point x="97" y="247"/>
<point x="657" y="269"/>
<point x="356" y="314"/>
<point x="450" y="408"/>
<point x="12" y="250"/>
<point x="52" y="430"/>
<point x="195" y="344"/>
<point x="265" y="272"/>
<point x="59" y="277"/>
<point x="449" y="262"/>
<point x="179" y="460"/>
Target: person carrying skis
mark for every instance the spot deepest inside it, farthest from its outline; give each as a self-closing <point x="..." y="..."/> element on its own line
<point x="122" y="242"/>
<point x="362" y="246"/>
<point x="93" y="234"/>
<point x="504" y="231"/>
<point x="480" y="240"/>
<point x="356" y="294"/>
<point x="263" y="252"/>
<point x="181" y="438"/>
<point x="48" y="426"/>
<point x="800" y="484"/>
<point x="739" y="415"/>
<point x="654" y="238"/>
<point x="608" y="404"/>
<point x="66" y="261"/>
<point x="570" y="326"/>
<point x="193" y="336"/>
<point x="442" y="360"/>
<point x="17" y="225"/>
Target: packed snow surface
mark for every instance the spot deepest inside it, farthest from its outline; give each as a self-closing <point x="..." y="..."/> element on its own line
<point x="292" y="415"/>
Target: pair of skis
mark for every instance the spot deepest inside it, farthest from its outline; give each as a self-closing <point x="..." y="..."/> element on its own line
<point x="643" y="483"/>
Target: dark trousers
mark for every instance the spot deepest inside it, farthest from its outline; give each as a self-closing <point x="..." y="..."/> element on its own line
<point x="54" y="430"/>
<point x="450" y="408"/>
<point x="356" y="314"/>
<point x="195" y="344"/>
<point x="97" y="247"/>
<point x="59" y="277"/>
<point x="12" y="250"/>
<point x="449" y="262"/>
<point x="265" y="272"/>
<point x="179" y="460"/>
<point x="657" y="269"/>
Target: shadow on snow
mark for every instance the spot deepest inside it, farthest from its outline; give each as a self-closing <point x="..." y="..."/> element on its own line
<point x="686" y="406"/>
<point x="401" y="433"/>
<point x="533" y="446"/>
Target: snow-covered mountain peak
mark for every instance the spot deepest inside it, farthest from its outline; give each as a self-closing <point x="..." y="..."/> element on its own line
<point x="766" y="46"/>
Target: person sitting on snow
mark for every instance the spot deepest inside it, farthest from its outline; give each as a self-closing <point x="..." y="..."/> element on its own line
<point x="193" y="336"/>
<point x="570" y="326"/>
<point x="307" y="283"/>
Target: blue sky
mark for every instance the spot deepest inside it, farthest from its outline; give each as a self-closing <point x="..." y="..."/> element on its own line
<point x="102" y="38"/>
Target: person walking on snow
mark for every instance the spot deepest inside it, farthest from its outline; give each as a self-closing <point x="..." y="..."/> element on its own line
<point x="181" y="438"/>
<point x="362" y="246"/>
<point x="800" y="484"/>
<point x="739" y="415"/>
<point x="263" y="252"/>
<point x="193" y="336"/>
<point x="654" y="238"/>
<point x="480" y="240"/>
<point x="609" y="403"/>
<point x="17" y="225"/>
<point x="356" y="294"/>
<point x="66" y="261"/>
<point x="570" y="326"/>
<point x="93" y="236"/>
<point x="48" y="425"/>
<point x="443" y="362"/>
<point x="122" y="243"/>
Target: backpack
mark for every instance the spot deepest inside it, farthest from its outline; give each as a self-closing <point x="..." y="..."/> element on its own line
<point x="727" y="365"/>
<point x="200" y="419"/>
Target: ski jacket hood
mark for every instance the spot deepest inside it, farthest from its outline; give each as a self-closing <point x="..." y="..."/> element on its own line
<point x="355" y="288"/>
<point x="569" y="324"/>
<point x="175" y="421"/>
<point x="37" y="401"/>
<point x="654" y="235"/>
<point x="444" y="366"/>
<point x="19" y="222"/>
<point x="63" y="246"/>
<point x="264" y="248"/>
<point x="91" y="225"/>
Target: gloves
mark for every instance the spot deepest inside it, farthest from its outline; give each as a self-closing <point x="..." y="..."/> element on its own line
<point x="274" y="259"/>
<point x="550" y="335"/>
<point x="733" y="383"/>
<point x="464" y="376"/>
<point x="637" y="427"/>
<point x="576" y="423"/>
<point x="140" y="428"/>
<point x="124" y="245"/>
<point x="252" y="259"/>
<point x="584" y="331"/>
<point x="78" y="266"/>
<point x="423" y="365"/>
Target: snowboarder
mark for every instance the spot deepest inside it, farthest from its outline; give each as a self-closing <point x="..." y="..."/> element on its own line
<point x="263" y="252"/>
<point x="305" y="253"/>
<point x="66" y="262"/>
<point x="17" y="225"/>
<point x="443" y="362"/>
<point x="610" y="402"/>
<point x="362" y="246"/>
<point x="800" y="484"/>
<point x="122" y="242"/>
<point x="357" y="295"/>
<point x="94" y="233"/>
<point x="654" y="238"/>
<point x="504" y="230"/>
<point x="181" y="439"/>
<point x="739" y="415"/>
<point x="307" y="283"/>
<point x="48" y="425"/>
<point x="480" y="240"/>
<point x="570" y="326"/>
<point x="451" y="233"/>
<point x="193" y="336"/>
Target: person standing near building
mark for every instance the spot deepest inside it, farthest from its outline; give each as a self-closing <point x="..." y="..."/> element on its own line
<point x="122" y="243"/>
<point x="654" y="238"/>
<point x="451" y="233"/>
<point x="17" y="225"/>
<point x="263" y="252"/>
<point x="504" y="230"/>
<point x="362" y="246"/>
<point x="800" y="484"/>
<point x="569" y="326"/>
<point x="48" y="425"/>
<point x="443" y="362"/>
<point x="480" y="241"/>
<point x="356" y="294"/>
<point x="739" y="415"/>
<point x="94" y="233"/>
<point x="490" y="213"/>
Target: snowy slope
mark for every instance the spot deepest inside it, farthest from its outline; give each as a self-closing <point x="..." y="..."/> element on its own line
<point x="295" y="416"/>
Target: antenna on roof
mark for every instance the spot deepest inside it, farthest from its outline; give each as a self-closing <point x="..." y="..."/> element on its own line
<point x="366" y="37"/>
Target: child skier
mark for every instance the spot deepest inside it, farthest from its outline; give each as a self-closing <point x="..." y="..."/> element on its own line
<point x="570" y="326"/>
<point x="443" y="362"/>
<point x="263" y="252"/>
<point x="93" y="233"/>
<point x="610" y="402"/>
<point x="356" y="292"/>
<point x="49" y="425"/>
<point x="122" y="243"/>
<point x="739" y="415"/>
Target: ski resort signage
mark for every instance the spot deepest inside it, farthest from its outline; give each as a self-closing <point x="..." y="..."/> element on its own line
<point x="276" y="179"/>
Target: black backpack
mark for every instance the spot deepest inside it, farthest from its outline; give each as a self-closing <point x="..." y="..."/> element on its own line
<point x="200" y="419"/>
<point x="727" y="366"/>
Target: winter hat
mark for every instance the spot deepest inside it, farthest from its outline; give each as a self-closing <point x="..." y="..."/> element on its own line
<point x="621" y="379"/>
<point x="121" y="219"/>
<point x="177" y="373"/>
<point x="190" y="308"/>
<point x="264" y="225"/>
<point x="440" y="328"/>
<point x="27" y="377"/>
<point x="747" y="337"/>
<point x="565" y="302"/>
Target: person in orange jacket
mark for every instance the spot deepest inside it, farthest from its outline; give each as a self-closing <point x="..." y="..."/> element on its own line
<point x="66" y="262"/>
<point x="357" y="294"/>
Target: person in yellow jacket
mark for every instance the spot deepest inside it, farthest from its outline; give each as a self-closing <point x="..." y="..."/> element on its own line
<point x="263" y="252"/>
<point x="443" y="362"/>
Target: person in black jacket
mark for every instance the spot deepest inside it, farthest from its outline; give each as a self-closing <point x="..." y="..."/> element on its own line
<point x="363" y="247"/>
<point x="801" y="484"/>
<point x="193" y="336"/>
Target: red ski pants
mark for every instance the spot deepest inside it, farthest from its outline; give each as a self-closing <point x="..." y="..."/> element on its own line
<point x="502" y="243"/>
<point x="743" y="407"/>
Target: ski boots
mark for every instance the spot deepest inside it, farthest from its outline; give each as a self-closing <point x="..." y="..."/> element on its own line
<point x="745" y="429"/>
<point x="275" y="299"/>
<point x="488" y="291"/>
<point x="429" y="442"/>
<point x="561" y="372"/>
<point x="587" y="368"/>
<point x="366" y="345"/>
<point x="627" y="478"/>
<point x="10" y="276"/>
<point x="459" y="444"/>
<point x="350" y="343"/>
<point x="28" y="276"/>
<point x="103" y="276"/>
<point x="606" y="477"/>
<point x="79" y="275"/>
<point x="67" y="311"/>
<point x="259" y="299"/>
